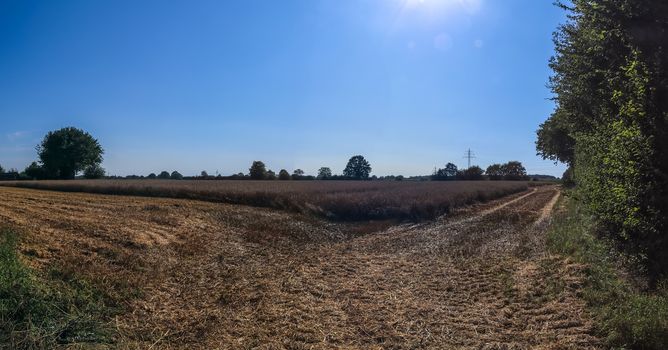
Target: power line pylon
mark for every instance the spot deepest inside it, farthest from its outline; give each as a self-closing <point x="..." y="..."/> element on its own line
<point x="469" y="155"/>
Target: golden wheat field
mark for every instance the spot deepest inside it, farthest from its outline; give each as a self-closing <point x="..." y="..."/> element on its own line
<point x="187" y="274"/>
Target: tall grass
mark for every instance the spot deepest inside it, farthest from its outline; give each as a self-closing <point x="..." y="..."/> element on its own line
<point x="627" y="316"/>
<point x="336" y="200"/>
<point x="45" y="311"/>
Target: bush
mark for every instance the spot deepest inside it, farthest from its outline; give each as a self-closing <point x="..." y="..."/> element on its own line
<point x="626" y="317"/>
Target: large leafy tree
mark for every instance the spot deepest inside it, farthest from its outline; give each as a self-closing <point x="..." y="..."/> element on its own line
<point x="324" y="173"/>
<point x="357" y="168"/>
<point x="448" y="173"/>
<point x="65" y="152"/>
<point x="610" y="124"/>
<point x="494" y="172"/>
<point x="283" y="175"/>
<point x="258" y="171"/>
<point x="513" y="170"/>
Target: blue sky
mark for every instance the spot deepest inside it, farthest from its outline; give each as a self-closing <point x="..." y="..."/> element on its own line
<point x="214" y="85"/>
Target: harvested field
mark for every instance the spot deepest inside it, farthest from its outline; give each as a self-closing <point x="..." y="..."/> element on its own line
<point x="210" y="275"/>
<point x="337" y="200"/>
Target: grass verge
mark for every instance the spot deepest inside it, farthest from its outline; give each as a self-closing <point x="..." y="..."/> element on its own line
<point x="627" y="317"/>
<point x="46" y="311"/>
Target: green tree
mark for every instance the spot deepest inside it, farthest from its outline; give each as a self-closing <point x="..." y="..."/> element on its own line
<point x="271" y="175"/>
<point x="204" y="174"/>
<point x="65" y="152"/>
<point x="514" y="170"/>
<point x="448" y="173"/>
<point x="283" y="175"/>
<point x="152" y="176"/>
<point x="94" y="172"/>
<point x="175" y="175"/>
<point x="34" y="171"/>
<point x="324" y="173"/>
<point x="163" y="175"/>
<point x="2" y="170"/>
<point x="610" y="86"/>
<point x="494" y="172"/>
<point x="258" y="171"/>
<point x="472" y="173"/>
<point x="357" y="168"/>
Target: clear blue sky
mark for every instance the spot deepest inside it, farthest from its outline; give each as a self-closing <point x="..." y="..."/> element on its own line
<point x="214" y="85"/>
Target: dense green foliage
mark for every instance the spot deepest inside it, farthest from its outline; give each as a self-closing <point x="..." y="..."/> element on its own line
<point x="472" y="173"/>
<point x="175" y="175"/>
<point x="610" y="121"/>
<point x="626" y="317"/>
<point x="44" y="312"/>
<point x="65" y="152"/>
<point x="94" y="172"/>
<point x="324" y="173"/>
<point x="357" y="168"/>
<point x="258" y="171"/>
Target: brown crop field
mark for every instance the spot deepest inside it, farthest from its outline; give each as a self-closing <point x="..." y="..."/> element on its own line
<point x="337" y="200"/>
<point x="187" y="274"/>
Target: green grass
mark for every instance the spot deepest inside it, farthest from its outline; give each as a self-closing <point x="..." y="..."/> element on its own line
<point x="50" y="310"/>
<point x="626" y="316"/>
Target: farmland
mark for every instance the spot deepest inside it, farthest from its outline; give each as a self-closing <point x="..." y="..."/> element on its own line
<point x="194" y="274"/>
<point x="337" y="200"/>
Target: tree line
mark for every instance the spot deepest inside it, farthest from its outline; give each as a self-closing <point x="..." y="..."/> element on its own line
<point x="513" y="171"/>
<point x="610" y="124"/>
<point x="68" y="152"/>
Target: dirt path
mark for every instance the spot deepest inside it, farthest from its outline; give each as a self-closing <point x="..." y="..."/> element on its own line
<point x="221" y="276"/>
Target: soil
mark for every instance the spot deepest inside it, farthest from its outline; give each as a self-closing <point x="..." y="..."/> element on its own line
<point x="192" y="274"/>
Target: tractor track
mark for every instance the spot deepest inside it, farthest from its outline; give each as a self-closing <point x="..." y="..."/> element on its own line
<point x="224" y="276"/>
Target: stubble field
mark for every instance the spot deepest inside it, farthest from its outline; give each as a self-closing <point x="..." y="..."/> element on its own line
<point x="192" y="274"/>
<point x="334" y="200"/>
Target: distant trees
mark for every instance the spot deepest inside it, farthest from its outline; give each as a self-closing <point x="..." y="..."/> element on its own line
<point x="447" y="173"/>
<point x="271" y="175"/>
<point x="204" y="174"/>
<point x="94" y="172"/>
<point x="494" y="172"/>
<point x="514" y="170"/>
<point x="357" y="168"/>
<point x="152" y="176"/>
<point x="65" y="152"/>
<point x="324" y="173"/>
<point x="472" y="173"/>
<point x="2" y="170"/>
<point x="34" y="172"/>
<point x="175" y="175"/>
<point x="283" y="175"/>
<point x="164" y="175"/>
<point x="258" y="171"/>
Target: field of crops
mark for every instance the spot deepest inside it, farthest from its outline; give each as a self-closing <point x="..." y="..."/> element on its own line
<point x="139" y="272"/>
<point x="336" y="200"/>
